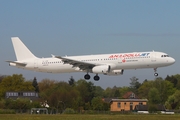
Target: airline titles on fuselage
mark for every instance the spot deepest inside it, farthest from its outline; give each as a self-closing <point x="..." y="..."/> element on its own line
<point x="129" y="55"/>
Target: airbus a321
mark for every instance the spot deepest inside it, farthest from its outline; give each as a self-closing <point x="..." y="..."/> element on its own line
<point x="107" y="64"/>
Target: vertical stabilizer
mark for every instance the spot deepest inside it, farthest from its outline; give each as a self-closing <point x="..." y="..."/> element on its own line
<point x="21" y="51"/>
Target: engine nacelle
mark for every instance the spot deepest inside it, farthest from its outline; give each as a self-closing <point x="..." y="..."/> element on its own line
<point x="115" y="72"/>
<point x="101" y="69"/>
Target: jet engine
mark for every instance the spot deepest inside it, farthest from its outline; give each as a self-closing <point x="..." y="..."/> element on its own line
<point x="101" y="69"/>
<point x="104" y="69"/>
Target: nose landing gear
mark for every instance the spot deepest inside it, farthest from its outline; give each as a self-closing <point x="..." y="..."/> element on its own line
<point x="155" y="74"/>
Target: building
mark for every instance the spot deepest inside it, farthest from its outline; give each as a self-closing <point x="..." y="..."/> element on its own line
<point x="30" y="94"/>
<point x="126" y="104"/>
<point x="160" y="108"/>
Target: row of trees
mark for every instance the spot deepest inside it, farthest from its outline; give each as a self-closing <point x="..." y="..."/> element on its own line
<point x="159" y="91"/>
<point x="84" y="95"/>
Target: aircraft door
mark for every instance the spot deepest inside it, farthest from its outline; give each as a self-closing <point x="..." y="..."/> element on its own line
<point x="35" y="64"/>
<point x="119" y="61"/>
<point x="153" y="57"/>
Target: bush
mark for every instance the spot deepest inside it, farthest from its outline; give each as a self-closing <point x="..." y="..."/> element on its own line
<point x="69" y="111"/>
<point x="152" y="108"/>
<point x="90" y="112"/>
<point x="7" y="111"/>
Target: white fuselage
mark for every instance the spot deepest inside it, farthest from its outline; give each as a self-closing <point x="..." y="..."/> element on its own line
<point x="120" y="61"/>
<point x="107" y="64"/>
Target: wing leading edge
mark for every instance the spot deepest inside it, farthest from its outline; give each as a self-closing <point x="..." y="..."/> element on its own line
<point x="76" y="63"/>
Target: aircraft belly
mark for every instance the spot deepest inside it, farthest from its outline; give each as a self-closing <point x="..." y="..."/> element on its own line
<point x="57" y="68"/>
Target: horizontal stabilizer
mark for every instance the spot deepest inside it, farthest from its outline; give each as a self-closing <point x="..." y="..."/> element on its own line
<point x="18" y="63"/>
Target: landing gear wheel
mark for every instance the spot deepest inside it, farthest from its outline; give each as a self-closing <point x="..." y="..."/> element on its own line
<point x="155" y="74"/>
<point x="87" y="76"/>
<point x="96" y="78"/>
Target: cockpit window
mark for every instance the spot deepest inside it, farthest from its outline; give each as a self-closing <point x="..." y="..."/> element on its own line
<point x="164" y="55"/>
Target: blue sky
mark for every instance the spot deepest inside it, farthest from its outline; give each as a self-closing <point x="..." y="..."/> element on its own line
<point x="79" y="27"/>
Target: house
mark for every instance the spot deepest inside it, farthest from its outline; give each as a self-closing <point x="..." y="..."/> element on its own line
<point x="126" y="104"/>
<point x="30" y="94"/>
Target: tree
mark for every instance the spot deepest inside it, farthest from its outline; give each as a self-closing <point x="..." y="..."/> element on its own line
<point x="177" y="76"/>
<point x="86" y="89"/>
<point x="154" y="99"/>
<point x="71" y="81"/>
<point x="45" y="88"/>
<point x="97" y="103"/>
<point x="59" y="95"/>
<point x="134" y="85"/>
<point x="19" y="104"/>
<point x="172" y="79"/>
<point x="108" y="92"/>
<point x="173" y="101"/>
<point x="153" y="96"/>
<point x="117" y="93"/>
<point x="112" y="92"/>
<point x="1" y="77"/>
<point x="2" y="104"/>
<point x="35" y="84"/>
<point x="22" y="103"/>
<point x="144" y="89"/>
<point x="99" y="91"/>
<point x="14" y="83"/>
<point x="165" y="89"/>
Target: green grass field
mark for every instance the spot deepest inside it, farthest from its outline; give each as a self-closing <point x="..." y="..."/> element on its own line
<point x="87" y="117"/>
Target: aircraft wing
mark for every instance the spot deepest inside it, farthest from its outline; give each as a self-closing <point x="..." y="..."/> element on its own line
<point x="18" y="63"/>
<point x="81" y="64"/>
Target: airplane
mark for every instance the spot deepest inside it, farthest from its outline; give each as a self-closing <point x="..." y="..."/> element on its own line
<point x="107" y="64"/>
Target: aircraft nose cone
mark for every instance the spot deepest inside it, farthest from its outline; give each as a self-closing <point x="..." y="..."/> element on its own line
<point x="173" y="60"/>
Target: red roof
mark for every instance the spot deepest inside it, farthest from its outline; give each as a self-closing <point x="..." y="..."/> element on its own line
<point x="130" y="95"/>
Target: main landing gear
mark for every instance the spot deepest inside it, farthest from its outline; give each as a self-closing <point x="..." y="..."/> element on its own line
<point x="87" y="77"/>
<point x="96" y="77"/>
<point x="155" y="74"/>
